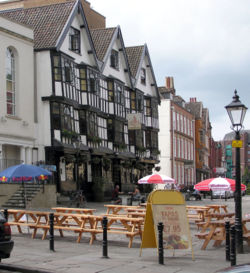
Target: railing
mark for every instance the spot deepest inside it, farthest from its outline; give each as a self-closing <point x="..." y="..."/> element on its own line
<point x="6" y="163"/>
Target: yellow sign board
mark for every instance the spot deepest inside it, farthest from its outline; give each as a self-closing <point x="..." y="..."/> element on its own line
<point x="168" y="207"/>
<point x="237" y="143"/>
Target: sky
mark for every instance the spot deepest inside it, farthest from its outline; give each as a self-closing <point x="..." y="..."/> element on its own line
<point x="204" y="45"/>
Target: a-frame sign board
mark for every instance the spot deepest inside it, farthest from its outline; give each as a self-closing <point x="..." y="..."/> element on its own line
<point x="168" y="207"/>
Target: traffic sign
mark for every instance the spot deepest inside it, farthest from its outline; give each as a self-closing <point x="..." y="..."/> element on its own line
<point x="237" y="143"/>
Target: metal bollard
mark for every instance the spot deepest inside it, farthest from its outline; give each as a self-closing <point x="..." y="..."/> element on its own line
<point x="105" y="238"/>
<point x="160" y="243"/>
<point x="51" y="231"/>
<point x="5" y="213"/>
<point x="233" y="248"/>
<point x="227" y="228"/>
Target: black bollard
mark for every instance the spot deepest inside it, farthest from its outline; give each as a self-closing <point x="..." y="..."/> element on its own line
<point x="160" y="243"/>
<point x="105" y="238"/>
<point x="233" y="248"/>
<point x="227" y="228"/>
<point x="5" y="213"/>
<point x="51" y="231"/>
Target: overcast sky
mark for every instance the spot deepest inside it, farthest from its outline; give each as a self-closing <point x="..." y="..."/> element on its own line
<point x="203" y="44"/>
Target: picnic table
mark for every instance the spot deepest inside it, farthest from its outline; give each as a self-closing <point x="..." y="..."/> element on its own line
<point x="218" y="234"/>
<point x="214" y="216"/>
<point x="74" y="210"/>
<point x="114" y="209"/>
<point x="77" y="222"/>
<point x="217" y="208"/>
<point x="197" y="213"/>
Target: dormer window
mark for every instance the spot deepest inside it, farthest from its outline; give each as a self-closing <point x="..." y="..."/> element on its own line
<point x="74" y="40"/>
<point x="143" y="76"/>
<point x="114" y="59"/>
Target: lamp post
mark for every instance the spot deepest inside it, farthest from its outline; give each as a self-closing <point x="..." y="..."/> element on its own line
<point x="77" y="146"/>
<point x="236" y="111"/>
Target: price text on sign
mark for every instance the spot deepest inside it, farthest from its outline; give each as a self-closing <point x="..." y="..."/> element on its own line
<point x="237" y="143"/>
<point x="175" y="232"/>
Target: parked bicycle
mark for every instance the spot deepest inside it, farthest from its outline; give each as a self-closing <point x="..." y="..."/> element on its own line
<point x="78" y="199"/>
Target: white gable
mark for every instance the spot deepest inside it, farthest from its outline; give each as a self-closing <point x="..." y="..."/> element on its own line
<point x="84" y="56"/>
<point x="147" y="89"/>
<point x="117" y="73"/>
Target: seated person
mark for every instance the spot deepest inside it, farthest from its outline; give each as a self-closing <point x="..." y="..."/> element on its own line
<point x="115" y="195"/>
<point x="197" y="195"/>
<point x="136" y="195"/>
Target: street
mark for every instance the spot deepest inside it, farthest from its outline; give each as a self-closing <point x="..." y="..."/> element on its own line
<point x="72" y="257"/>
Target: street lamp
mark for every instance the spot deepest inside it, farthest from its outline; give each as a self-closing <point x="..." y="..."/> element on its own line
<point x="77" y="146"/>
<point x="236" y="111"/>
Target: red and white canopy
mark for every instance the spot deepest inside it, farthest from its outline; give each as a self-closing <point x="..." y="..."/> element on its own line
<point x="156" y="179"/>
<point x="218" y="184"/>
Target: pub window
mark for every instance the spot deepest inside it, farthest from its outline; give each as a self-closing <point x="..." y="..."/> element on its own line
<point x="131" y="137"/>
<point x="110" y="130"/>
<point x="139" y="102"/>
<point x="148" y="139"/>
<point x="143" y="76"/>
<point x="82" y="122"/>
<point x="111" y="91"/>
<point x="83" y="82"/>
<point x="148" y="107"/>
<point x="56" y="115"/>
<point x="139" y="138"/>
<point x="119" y="96"/>
<point x="114" y="59"/>
<point x="74" y="40"/>
<point x="119" y="132"/>
<point x="66" y="118"/>
<point x="92" y="124"/>
<point x="133" y="100"/>
<point x="68" y="72"/>
<point x="57" y="68"/>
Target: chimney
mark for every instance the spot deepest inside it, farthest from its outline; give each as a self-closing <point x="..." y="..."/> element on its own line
<point x="192" y="99"/>
<point x="169" y="83"/>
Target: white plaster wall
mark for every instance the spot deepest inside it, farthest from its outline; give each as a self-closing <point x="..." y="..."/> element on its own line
<point x="44" y="88"/>
<point x="85" y="45"/>
<point x="147" y="89"/>
<point x="165" y="137"/>
<point x="17" y="130"/>
<point x="119" y="74"/>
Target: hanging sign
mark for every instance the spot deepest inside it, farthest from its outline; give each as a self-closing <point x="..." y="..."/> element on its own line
<point x="134" y="121"/>
<point x="168" y="207"/>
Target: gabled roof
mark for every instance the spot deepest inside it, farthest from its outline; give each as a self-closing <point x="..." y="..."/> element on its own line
<point x="195" y="108"/>
<point x="47" y="21"/>
<point x="50" y="23"/>
<point x="136" y="55"/>
<point x="102" y="39"/>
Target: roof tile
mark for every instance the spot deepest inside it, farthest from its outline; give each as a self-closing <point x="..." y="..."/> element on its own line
<point x="47" y="21"/>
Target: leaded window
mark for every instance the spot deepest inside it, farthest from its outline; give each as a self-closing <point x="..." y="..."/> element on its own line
<point x="56" y="115"/>
<point x="143" y="76"/>
<point x="110" y="91"/>
<point x="74" y="40"/>
<point x="57" y="68"/>
<point x="114" y="59"/>
<point x="82" y="79"/>
<point x="10" y="82"/>
<point x="133" y="100"/>
<point x="82" y="122"/>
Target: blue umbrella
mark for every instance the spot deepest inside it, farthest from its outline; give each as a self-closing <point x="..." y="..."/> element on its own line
<point x="24" y="172"/>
